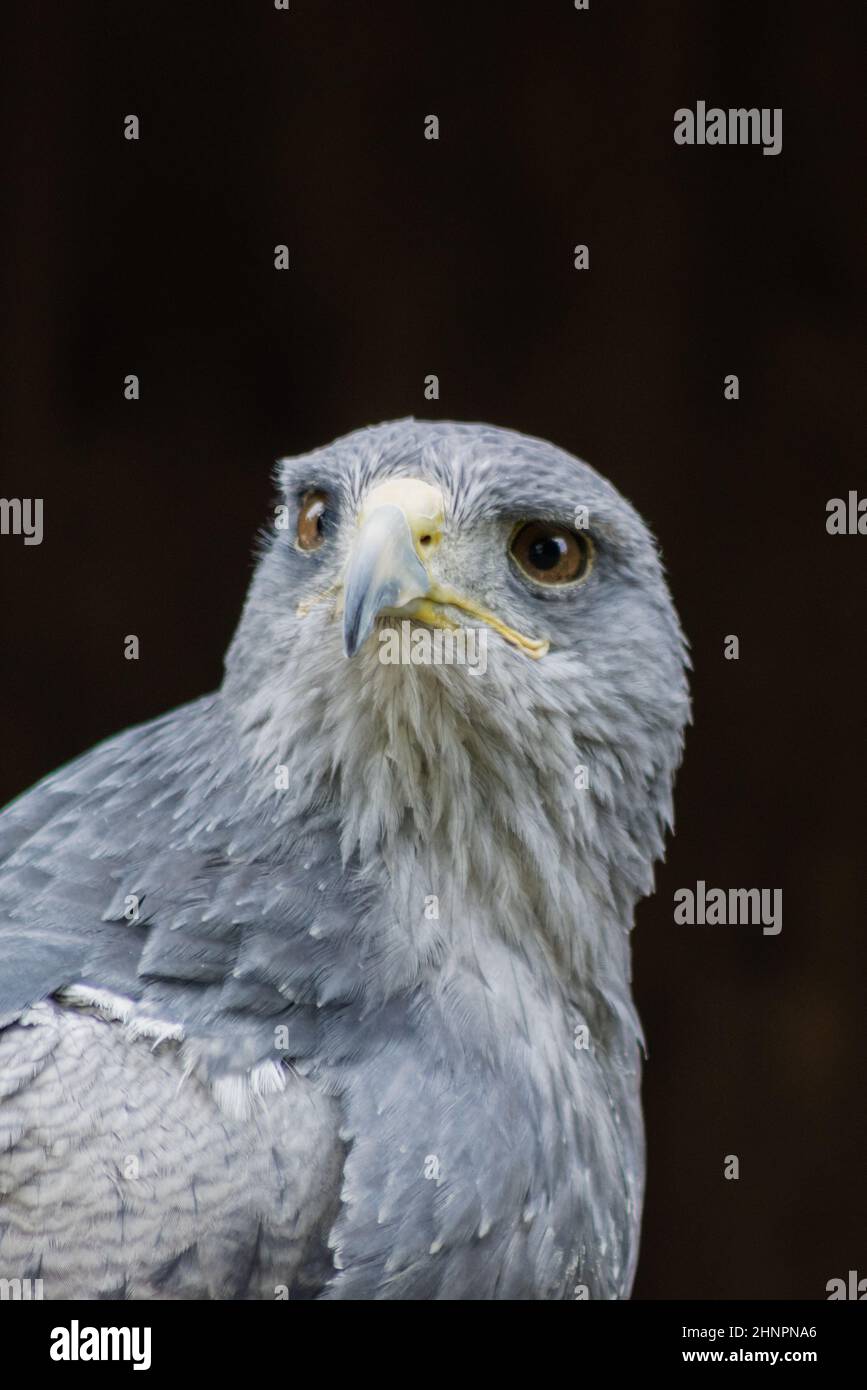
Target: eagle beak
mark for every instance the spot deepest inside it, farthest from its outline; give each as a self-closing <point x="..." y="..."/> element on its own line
<point x="384" y="572"/>
<point x="400" y="526"/>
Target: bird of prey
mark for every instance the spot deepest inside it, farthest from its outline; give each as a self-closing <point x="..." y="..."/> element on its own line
<point x="319" y="987"/>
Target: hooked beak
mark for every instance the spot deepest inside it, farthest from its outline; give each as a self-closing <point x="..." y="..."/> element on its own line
<point x="400" y="524"/>
<point x="384" y="572"/>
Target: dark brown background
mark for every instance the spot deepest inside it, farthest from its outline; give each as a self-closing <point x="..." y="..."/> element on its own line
<point x="409" y="257"/>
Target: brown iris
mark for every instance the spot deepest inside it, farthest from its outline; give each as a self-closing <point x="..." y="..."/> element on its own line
<point x="551" y="554"/>
<point x="311" y="520"/>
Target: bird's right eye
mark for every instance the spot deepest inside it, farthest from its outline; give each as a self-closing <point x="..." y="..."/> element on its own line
<point x="312" y="519"/>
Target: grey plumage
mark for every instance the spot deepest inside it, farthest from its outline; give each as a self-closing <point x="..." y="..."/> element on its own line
<point x="289" y="1073"/>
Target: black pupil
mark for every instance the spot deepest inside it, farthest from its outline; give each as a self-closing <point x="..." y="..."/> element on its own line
<point x="547" y="552"/>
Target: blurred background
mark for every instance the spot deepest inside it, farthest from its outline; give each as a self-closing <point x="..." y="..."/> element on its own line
<point x="410" y="257"/>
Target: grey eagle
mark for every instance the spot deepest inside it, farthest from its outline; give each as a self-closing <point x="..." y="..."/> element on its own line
<point x="319" y="987"/>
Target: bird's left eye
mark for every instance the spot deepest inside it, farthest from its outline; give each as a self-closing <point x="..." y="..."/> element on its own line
<point x="312" y="519"/>
<point x="551" y="554"/>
